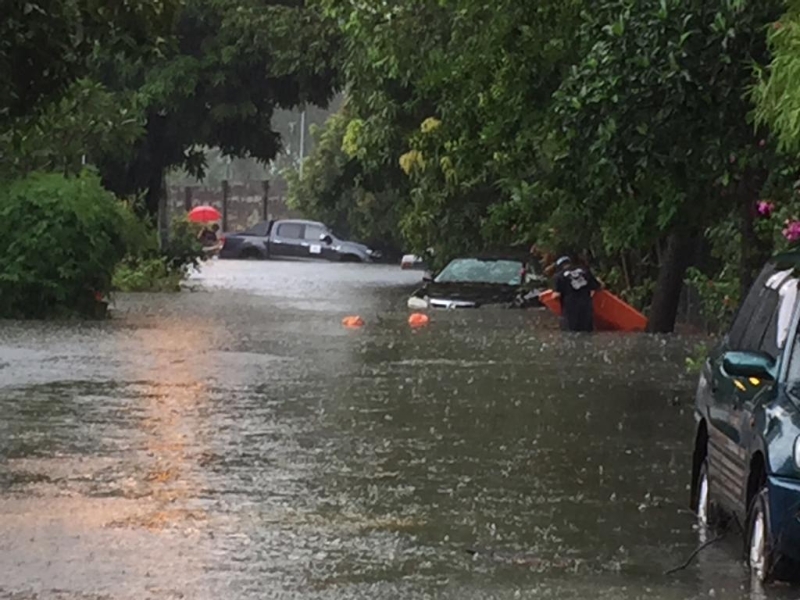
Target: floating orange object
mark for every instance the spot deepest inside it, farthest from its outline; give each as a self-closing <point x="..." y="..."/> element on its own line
<point x="353" y="322"/>
<point x="419" y="320"/>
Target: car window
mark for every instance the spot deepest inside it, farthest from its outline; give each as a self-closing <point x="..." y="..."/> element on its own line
<point x="780" y="297"/>
<point x="292" y="231"/>
<point x="783" y="297"/>
<point x="314" y="232"/>
<point x="260" y="229"/>
<point x="474" y="270"/>
<point x="760" y="319"/>
<point x="747" y="308"/>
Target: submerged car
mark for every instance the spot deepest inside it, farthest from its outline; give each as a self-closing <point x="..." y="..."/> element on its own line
<point x="746" y="461"/>
<point x="482" y="280"/>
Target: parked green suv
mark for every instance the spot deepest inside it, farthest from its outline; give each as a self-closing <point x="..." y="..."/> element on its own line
<point x="747" y="445"/>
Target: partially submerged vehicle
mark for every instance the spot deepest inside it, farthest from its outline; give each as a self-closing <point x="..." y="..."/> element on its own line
<point x="472" y="282"/>
<point x="293" y="239"/>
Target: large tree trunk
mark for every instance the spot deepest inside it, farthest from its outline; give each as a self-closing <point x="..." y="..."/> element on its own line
<point x="675" y="260"/>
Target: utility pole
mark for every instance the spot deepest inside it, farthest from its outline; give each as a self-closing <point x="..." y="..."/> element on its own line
<point x="302" y="140"/>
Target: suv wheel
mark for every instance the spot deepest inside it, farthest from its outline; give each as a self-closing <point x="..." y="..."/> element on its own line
<point x="761" y="556"/>
<point x="708" y="514"/>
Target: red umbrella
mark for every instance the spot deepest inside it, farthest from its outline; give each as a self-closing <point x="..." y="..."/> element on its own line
<point x="204" y="214"/>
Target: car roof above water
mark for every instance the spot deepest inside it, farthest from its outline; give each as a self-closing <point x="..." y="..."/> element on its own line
<point x="301" y="222"/>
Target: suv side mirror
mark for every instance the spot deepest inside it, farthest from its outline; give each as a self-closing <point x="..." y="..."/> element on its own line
<point x="427" y="277"/>
<point x="326" y="238"/>
<point x="749" y="364"/>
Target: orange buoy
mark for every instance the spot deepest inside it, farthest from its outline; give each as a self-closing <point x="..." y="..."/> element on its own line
<point x="419" y="320"/>
<point x="353" y="322"/>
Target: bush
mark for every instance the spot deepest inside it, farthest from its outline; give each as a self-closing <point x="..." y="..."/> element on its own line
<point x="719" y="296"/>
<point x="183" y="250"/>
<point x="146" y="275"/>
<point x="139" y="237"/>
<point x="60" y="240"/>
<point x="698" y="357"/>
<point x="146" y="268"/>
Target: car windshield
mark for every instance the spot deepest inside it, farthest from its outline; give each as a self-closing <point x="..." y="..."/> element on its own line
<point x="475" y="270"/>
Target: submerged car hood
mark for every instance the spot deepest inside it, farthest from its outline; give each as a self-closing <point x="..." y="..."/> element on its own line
<point x="479" y="293"/>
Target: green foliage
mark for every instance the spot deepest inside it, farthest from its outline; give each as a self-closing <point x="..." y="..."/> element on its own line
<point x="45" y="46"/>
<point x="60" y="241"/>
<point x="613" y="127"/>
<point x="87" y="121"/>
<point x="338" y="191"/>
<point x="146" y="275"/>
<point x="719" y="296"/>
<point x="650" y="144"/>
<point x="137" y="234"/>
<point x="183" y="250"/>
<point x="457" y="92"/>
<point x="698" y="357"/>
<point x="227" y="66"/>
<point x="778" y="91"/>
<point x="148" y="268"/>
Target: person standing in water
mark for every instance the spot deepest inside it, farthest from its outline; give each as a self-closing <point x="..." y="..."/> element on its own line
<point x="575" y="286"/>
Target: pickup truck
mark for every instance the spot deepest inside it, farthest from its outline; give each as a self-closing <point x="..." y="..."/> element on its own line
<point x="293" y="239"/>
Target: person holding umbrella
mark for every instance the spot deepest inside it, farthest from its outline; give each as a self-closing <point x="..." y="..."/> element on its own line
<point x="208" y="236"/>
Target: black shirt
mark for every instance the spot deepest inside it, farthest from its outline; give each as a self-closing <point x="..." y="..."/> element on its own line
<point x="575" y="285"/>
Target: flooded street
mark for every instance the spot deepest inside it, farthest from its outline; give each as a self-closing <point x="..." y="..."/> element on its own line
<point x="237" y="442"/>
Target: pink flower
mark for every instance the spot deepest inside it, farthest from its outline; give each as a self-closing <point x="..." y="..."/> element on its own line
<point x="792" y="231"/>
<point x="765" y="208"/>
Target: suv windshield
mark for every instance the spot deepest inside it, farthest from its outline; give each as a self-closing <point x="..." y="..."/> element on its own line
<point x="475" y="270"/>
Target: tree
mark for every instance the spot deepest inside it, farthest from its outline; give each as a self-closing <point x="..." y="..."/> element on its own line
<point x="460" y="91"/>
<point x="228" y="66"/>
<point x="619" y="128"/>
<point x="45" y="46"/>
<point x="778" y="92"/>
<point x="657" y="140"/>
<point x="336" y="189"/>
<point x="86" y="121"/>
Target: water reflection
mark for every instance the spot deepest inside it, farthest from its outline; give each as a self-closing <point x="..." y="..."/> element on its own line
<point x="172" y="400"/>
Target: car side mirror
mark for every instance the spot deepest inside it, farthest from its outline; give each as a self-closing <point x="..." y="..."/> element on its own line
<point x="326" y="238"/>
<point x="427" y="277"/>
<point x="749" y="364"/>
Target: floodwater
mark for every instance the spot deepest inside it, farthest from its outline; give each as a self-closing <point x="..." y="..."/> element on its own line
<point x="236" y="442"/>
